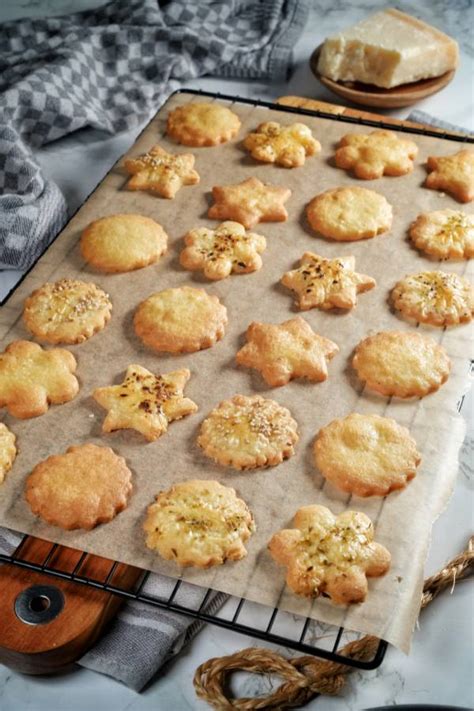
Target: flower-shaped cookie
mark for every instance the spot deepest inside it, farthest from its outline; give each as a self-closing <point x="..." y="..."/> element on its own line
<point x="199" y="523"/>
<point x="219" y="252"/>
<point x="286" y="145"/>
<point x="326" y="283"/>
<point x="249" y="203"/>
<point x="145" y="402"/>
<point x="371" y="155"/>
<point x="287" y="350"/>
<point x="330" y="555"/>
<point x="161" y="172"/>
<point x="7" y="450"/>
<point x="454" y="173"/>
<point x="32" y="378"/>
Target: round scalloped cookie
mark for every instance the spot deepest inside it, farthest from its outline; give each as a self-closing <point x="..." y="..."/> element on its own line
<point x="437" y="298"/>
<point x="350" y="213"/>
<point x="122" y="243"/>
<point x="202" y="124"/>
<point x="401" y="363"/>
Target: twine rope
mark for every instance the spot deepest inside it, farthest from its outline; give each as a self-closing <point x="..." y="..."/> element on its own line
<point x="306" y="677"/>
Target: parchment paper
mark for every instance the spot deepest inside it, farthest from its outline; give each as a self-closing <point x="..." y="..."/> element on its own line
<point x="403" y="520"/>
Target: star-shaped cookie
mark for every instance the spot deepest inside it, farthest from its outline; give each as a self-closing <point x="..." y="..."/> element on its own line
<point x="454" y="173"/>
<point x="228" y="248"/>
<point x="32" y="378"/>
<point x="371" y="155"/>
<point x="287" y="350"/>
<point x="161" y="172"/>
<point x="249" y="203"/>
<point x="285" y="145"/>
<point x="145" y="402"/>
<point x="327" y="283"/>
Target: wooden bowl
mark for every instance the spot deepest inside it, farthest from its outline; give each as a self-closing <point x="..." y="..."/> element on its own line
<point x="370" y="95"/>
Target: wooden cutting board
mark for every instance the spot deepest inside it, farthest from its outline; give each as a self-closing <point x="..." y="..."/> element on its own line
<point x="47" y="623"/>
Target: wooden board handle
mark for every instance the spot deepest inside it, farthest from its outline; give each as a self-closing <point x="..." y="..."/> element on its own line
<point x="47" y="623"/>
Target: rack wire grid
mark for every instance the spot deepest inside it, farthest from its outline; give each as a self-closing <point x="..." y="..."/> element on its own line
<point x="240" y="615"/>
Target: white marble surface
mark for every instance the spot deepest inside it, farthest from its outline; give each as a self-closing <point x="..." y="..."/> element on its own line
<point x="439" y="668"/>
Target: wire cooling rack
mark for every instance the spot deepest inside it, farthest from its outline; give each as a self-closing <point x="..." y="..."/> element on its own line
<point x="237" y="614"/>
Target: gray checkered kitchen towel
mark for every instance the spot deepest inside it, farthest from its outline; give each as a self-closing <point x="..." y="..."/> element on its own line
<point x="108" y="68"/>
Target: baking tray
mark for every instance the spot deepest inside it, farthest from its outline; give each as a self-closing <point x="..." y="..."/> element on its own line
<point x="48" y="264"/>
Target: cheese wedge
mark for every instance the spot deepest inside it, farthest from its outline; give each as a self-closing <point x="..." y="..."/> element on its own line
<point x="388" y="49"/>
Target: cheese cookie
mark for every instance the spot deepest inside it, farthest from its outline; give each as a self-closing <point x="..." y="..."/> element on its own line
<point x="180" y="320"/>
<point x="67" y="311"/>
<point x="444" y="234"/>
<point x="161" y="172"/>
<point x="371" y="155"/>
<point x="248" y="432"/>
<point x="401" y="363"/>
<point x="454" y="173"/>
<point x="249" y="203"/>
<point x="145" y="402"/>
<point x="202" y="124"/>
<point x="285" y="145"/>
<point x="437" y="298"/>
<point x="223" y="250"/>
<point x="330" y="555"/>
<point x="366" y="455"/>
<point x="199" y="523"/>
<point x="349" y="214"/>
<point x="85" y="486"/>
<point x="122" y="243"/>
<point x="326" y="283"/>
<point x="31" y="378"/>
<point x="7" y="451"/>
<point x="287" y="350"/>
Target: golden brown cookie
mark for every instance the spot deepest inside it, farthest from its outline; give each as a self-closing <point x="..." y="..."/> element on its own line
<point x="326" y="283"/>
<point x="248" y="432"/>
<point x="228" y="248"/>
<point x="330" y="555"/>
<point x="202" y="124"/>
<point x="348" y="214"/>
<point x="437" y="298"/>
<point x="366" y="455"/>
<point x="122" y="243"/>
<point x="7" y="450"/>
<point x="199" y="523"/>
<point x="287" y="350"/>
<point x="285" y="145"/>
<point x="85" y="486"/>
<point x="454" y="174"/>
<point x="161" y="172"/>
<point x="371" y="155"/>
<point x="67" y="311"/>
<point x="401" y="363"/>
<point x="145" y="402"/>
<point x="180" y="320"/>
<point x="31" y="378"/>
<point x="249" y="203"/>
<point x="444" y="234"/>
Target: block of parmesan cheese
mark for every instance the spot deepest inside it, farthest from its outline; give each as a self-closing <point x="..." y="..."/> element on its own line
<point x="388" y="49"/>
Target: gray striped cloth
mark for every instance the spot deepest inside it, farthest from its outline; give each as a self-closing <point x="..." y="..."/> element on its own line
<point x="108" y="68"/>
